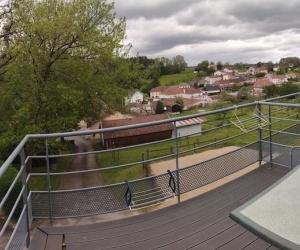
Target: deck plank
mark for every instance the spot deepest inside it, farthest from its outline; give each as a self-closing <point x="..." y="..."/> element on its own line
<point x="200" y="223"/>
<point x="39" y="240"/>
<point x="54" y="242"/>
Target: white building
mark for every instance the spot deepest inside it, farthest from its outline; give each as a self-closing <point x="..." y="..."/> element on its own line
<point x="134" y="97"/>
<point x="277" y="80"/>
<point x="180" y="91"/>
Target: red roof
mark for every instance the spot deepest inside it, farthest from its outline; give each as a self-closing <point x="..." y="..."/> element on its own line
<point x="175" y="90"/>
<point x="136" y="131"/>
<point x="262" y="83"/>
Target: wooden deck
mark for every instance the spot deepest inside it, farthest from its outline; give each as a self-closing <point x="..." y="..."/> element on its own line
<point x="200" y="223"/>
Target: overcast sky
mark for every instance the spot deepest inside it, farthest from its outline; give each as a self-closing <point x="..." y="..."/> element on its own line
<point x="217" y="30"/>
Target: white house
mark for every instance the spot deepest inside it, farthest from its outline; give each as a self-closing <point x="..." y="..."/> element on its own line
<point x="213" y="79"/>
<point x="277" y="79"/>
<point x="180" y="91"/>
<point x="218" y="73"/>
<point x="134" y="97"/>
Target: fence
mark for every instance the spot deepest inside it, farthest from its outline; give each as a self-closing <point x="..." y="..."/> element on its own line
<point x="112" y="198"/>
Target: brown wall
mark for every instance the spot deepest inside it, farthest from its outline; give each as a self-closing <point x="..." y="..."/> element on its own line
<point x="134" y="140"/>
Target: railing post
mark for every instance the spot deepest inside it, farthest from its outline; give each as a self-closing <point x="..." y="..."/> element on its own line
<point x="291" y="152"/>
<point x="270" y="136"/>
<point x="177" y="162"/>
<point x="25" y="194"/>
<point x="48" y="179"/>
<point x="258" y="113"/>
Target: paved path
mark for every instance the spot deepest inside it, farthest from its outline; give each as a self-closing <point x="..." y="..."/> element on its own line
<point x="82" y="162"/>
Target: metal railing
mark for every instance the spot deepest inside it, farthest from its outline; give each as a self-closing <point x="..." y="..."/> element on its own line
<point x="81" y="201"/>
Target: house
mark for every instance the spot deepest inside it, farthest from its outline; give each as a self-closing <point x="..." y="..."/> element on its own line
<point x="228" y="70"/>
<point x="173" y="92"/>
<point x="277" y="79"/>
<point x="171" y="105"/>
<point x="212" y="89"/>
<point x="262" y="70"/>
<point x="224" y="84"/>
<point x="218" y="73"/>
<point x="188" y="127"/>
<point x="256" y="70"/>
<point x="213" y="79"/>
<point x="260" y="84"/>
<point x="224" y="75"/>
<point x="291" y="75"/>
<point x="135" y="136"/>
<point x="251" y="71"/>
<point x="134" y="96"/>
<point x="228" y="76"/>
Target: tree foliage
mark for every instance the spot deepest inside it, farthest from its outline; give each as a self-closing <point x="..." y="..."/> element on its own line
<point x="160" y="108"/>
<point x="285" y="89"/>
<point x="60" y="61"/>
<point x="204" y="69"/>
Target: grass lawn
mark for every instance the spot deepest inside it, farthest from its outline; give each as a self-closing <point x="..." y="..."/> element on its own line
<point x="165" y="148"/>
<point x="175" y="79"/>
<point x="41" y="182"/>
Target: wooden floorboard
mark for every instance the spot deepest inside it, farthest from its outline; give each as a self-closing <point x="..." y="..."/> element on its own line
<point x="54" y="242"/>
<point x="200" y="223"/>
<point x="258" y="244"/>
<point x="39" y="240"/>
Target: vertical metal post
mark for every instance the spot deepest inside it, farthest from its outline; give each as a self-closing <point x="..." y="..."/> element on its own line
<point x="258" y="113"/>
<point x="270" y="136"/>
<point x="48" y="179"/>
<point x="292" y="159"/>
<point x="177" y="162"/>
<point x="145" y="165"/>
<point x="25" y="195"/>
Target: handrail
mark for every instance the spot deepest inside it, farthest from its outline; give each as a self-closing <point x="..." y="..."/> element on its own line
<point x="172" y="183"/>
<point x="20" y="151"/>
<point x="13" y="156"/>
<point x="128" y="194"/>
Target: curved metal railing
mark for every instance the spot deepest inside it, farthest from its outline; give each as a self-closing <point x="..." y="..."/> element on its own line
<point x="27" y="199"/>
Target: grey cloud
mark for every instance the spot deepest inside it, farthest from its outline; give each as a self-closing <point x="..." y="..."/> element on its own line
<point x="272" y="27"/>
<point x="146" y="9"/>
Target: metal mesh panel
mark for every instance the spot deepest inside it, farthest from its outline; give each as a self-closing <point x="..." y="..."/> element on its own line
<point x="100" y="200"/>
<point x="287" y="139"/>
<point x="18" y="239"/>
<point x="160" y="181"/>
<point x="217" y="168"/>
<point x="281" y="154"/>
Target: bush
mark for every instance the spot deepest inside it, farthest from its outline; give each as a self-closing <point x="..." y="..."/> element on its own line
<point x="5" y="183"/>
<point x="160" y="108"/>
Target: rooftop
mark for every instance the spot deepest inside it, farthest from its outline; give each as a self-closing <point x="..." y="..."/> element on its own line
<point x="137" y="131"/>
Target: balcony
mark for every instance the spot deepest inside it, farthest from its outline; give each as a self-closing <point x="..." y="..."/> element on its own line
<point x="184" y="205"/>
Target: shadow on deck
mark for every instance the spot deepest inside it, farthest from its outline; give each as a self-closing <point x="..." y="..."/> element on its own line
<point x="200" y="223"/>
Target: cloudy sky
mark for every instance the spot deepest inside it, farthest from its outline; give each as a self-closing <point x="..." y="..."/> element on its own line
<point x="217" y="30"/>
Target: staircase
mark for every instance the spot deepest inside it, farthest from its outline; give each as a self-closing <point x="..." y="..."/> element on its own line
<point x="150" y="197"/>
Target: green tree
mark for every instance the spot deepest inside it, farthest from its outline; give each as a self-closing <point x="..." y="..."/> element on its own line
<point x="204" y="69"/>
<point x="244" y="93"/>
<point x="180" y="102"/>
<point x="271" y="91"/>
<point x="270" y="66"/>
<point x="160" y="108"/>
<point x="220" y="66"/>
<point x="260" y="74"/>
<point x="68" y="62"/>
<point x="259" y="64"/>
